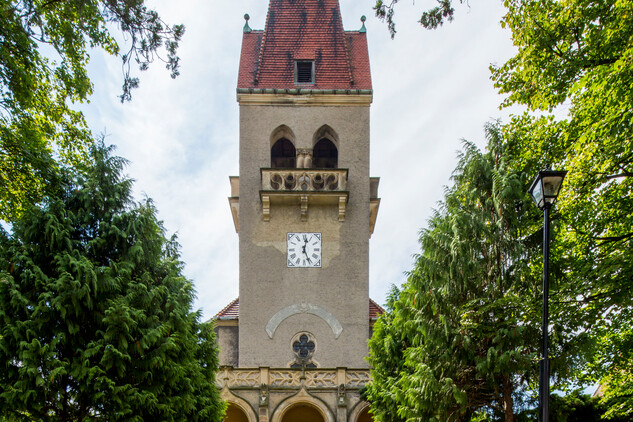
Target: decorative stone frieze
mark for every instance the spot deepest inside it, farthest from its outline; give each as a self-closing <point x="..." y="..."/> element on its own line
<point x="283" y="378"/>
<point x="356" y="378"/>
<point x="239" y="377"/>
<point x="317" y="379"/>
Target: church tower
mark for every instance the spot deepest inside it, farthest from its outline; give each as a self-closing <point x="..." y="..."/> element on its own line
<point x="304" y="206"/>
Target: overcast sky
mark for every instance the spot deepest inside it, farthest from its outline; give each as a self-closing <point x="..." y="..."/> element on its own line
<point x="431" y="89"/>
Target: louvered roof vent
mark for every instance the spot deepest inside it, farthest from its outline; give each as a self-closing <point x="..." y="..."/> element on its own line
<point x="304" y="72"/>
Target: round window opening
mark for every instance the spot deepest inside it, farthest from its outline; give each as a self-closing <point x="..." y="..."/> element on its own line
<point x="303" y="347"/>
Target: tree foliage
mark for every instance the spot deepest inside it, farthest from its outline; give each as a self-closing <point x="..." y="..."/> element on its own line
<point x="573" y="71"/>
<point x="573" y="407"/>
<point x="44" y="53"/>
<point x="95" y="313"/>
<point x="460" y="340"/>
<point x="575" y="58"/>
<point x="430" y="19"/>
<point x="387" y="347"/>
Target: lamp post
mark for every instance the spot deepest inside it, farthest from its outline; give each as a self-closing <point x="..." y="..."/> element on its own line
<point x="544" y="190"/>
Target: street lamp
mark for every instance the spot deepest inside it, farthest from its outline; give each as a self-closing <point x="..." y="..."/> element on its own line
<point x="544" y="190"/>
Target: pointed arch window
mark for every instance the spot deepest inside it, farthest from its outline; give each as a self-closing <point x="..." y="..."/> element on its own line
<point x="325" y="154"/>
<point x="283" y="154"/>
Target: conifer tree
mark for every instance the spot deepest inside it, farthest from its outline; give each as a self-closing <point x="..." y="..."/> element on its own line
<point x="96" y="317"/>
<point x="459" y="342"/>
<point x="572" y="70"/>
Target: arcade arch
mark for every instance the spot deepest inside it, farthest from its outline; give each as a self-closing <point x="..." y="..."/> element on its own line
<point x="302" y="408"/>
<point x="238" y="409"/>
<point x="302" y="412"/>
<point x="360" y="413"/>
<point x="364" y="415"/>
<point x="234" y="413"/>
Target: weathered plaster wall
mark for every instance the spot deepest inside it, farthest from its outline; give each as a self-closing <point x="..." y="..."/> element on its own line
<point x="228" y="340"/>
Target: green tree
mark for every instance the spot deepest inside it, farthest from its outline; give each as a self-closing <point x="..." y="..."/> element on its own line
<point x="575" y="59"/>
<point x="387" y="347"/>
<point x="44" y="52"/>
<point x="460" y="341"/>
<point x="95" y="313"/>
<point x="573" y="71"/>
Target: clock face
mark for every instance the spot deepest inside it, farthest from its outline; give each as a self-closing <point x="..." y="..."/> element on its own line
<point x="303" y="250"/>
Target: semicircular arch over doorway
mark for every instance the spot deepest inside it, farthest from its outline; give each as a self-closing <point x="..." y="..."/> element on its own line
<point x="302" y="412"/>
<point x="302" y="408"/>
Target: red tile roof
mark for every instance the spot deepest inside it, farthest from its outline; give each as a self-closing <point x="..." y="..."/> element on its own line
<point x="304" y="30"/>
<point x="232" y="310"/>
<point x="375" y="310"/>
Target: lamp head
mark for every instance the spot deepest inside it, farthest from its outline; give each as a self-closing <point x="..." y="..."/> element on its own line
<point x="545" y="187"/>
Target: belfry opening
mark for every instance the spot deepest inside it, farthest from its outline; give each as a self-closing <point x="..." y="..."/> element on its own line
<point x="325" y="154"/>
<point x="283" y="154"/>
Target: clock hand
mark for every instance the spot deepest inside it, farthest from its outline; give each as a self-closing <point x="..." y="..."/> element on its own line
<point x="304" y="246"/>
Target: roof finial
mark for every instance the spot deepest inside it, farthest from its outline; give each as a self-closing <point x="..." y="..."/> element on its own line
<point x="362" y="30"/>
<point x="247" y="29"/>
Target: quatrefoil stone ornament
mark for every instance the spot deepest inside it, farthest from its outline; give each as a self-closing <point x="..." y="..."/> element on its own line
<point x="303" y="347"/>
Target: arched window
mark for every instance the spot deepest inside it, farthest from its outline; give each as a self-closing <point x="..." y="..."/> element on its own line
<point x="283" y="154"/>
<point x="325" y="154"/>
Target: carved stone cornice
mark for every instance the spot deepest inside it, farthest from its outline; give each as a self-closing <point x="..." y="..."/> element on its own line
<point x="305" y="97"/>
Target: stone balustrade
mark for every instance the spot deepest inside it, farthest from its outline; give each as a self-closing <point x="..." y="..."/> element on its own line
<point x="304" y="180"/>
<point x="304" y="186"/>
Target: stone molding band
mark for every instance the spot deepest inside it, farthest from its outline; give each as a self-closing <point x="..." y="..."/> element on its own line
<point x="303" y="91"/>
<point x="303" y="308"/>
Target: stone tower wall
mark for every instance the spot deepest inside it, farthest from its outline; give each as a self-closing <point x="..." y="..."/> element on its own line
<point x="340" y="286"/>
